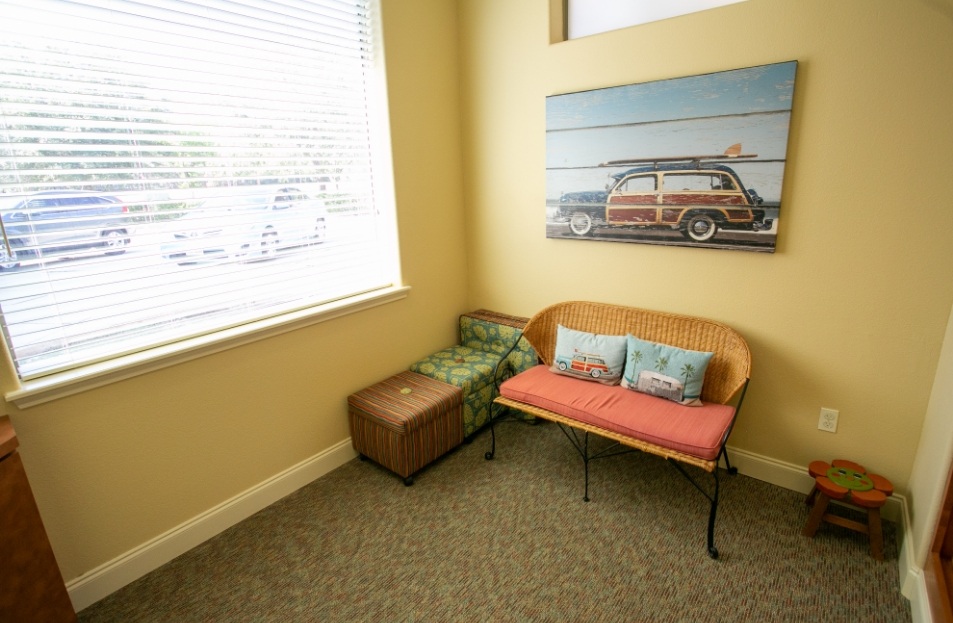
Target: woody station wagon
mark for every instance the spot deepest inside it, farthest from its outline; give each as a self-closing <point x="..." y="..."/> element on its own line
<point x="694" y="197"/>
<point x="583" y="363"/>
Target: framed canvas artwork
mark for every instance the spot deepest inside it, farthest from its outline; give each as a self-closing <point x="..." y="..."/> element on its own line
<point x="696" y="161"/>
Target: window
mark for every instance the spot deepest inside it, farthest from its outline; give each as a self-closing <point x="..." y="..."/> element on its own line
<point x="639" y="184"/>
<point x="689" y="181"/>
<point x="589" y="17"/>
<point x="170" y="169"/>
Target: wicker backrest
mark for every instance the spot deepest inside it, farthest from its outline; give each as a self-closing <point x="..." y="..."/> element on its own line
<point x="727" y="372"/>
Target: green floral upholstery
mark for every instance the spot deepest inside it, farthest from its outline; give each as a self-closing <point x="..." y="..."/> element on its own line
<point x="487" y="336"/>
<point x="488" y="352"/>
<point x="523" y="357"/>
<point x="472" y="371"/>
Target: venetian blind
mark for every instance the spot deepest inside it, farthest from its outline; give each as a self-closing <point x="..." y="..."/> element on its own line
<point x="171" y="168"/>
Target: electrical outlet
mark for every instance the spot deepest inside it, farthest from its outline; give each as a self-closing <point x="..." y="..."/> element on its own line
<point x="828" y="420"/>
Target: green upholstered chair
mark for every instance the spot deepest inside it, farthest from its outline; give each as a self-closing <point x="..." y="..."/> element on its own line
<point x="491" y="349"/>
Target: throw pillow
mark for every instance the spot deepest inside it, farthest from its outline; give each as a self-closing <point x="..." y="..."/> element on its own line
<point x="665" y="371"/>
<point x="589" y="356"/>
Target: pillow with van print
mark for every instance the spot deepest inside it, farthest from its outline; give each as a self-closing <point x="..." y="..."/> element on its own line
<point x="665" y="371"/>
<point x="589" y="356"/>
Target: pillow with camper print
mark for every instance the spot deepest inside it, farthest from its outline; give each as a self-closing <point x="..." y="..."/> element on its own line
<point x="589" y="356"/>
<point x="665" y="371"/>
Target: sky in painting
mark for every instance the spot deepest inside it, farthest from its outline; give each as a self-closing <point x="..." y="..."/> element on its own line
<point x="697" y="115"/>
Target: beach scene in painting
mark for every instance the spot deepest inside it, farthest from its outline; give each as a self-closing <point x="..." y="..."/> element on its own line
<point x="695" y="161"/>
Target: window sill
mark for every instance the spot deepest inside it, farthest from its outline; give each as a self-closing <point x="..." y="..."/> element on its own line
<point x="38" y="391"/>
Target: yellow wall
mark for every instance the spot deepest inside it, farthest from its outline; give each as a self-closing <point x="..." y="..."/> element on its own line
<point x="928" y="477"/>
<point x="117" y="466"/>
<point x="850" y="312"/>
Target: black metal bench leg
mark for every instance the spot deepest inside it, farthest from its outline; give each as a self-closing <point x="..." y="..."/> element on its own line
<point x="712" y="550"/>
<point x="501" y="374"/>
<point x="585" y="460"/>
<point x="731" y="470"/>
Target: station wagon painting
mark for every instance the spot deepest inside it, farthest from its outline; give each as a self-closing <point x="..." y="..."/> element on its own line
<point x="695" y="161"/>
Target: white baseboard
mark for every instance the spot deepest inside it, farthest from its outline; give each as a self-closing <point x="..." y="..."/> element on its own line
<point x="912" y="580"/>
<point x="113" y="575"/>
<point x="796" y="478"/>
<point x="913" y="586"/>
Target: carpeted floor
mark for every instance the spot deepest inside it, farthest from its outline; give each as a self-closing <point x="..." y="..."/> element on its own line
<point x="512" y="540"/>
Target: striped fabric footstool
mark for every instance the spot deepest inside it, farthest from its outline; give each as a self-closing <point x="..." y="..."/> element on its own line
<point x="406" y="422"/>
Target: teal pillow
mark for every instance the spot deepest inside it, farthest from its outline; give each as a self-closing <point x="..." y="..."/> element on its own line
<point x="665" y="371"/>
<point x="589" y="356"/>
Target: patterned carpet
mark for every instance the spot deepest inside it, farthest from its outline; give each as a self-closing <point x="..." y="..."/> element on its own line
<point x="512" y="540"/>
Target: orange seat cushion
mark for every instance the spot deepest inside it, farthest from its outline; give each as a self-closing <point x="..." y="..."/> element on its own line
<point x="697" y="431"/>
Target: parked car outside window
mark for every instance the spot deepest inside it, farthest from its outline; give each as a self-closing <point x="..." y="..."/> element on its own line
<point x="252" y="226"/>
<point x="56" y="224"/>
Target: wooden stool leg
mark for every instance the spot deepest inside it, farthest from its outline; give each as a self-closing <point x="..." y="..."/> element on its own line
<point x="875" y="532"/>
<point x="809" y="500"/>
<point x="817" y="514"/>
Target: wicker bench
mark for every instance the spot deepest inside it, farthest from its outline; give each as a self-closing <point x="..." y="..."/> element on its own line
<point x="693" y="436"/>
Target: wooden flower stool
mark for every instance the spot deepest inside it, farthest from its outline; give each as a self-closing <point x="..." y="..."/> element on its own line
<point x="850" y="483"/>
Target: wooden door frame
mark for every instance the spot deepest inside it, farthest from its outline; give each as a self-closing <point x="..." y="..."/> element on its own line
<point x="938" y="571"/>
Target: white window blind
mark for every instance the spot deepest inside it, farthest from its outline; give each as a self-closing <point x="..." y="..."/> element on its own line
<point x="171" y="168"/>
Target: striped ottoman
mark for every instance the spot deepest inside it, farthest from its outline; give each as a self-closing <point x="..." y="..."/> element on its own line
<point x="406" y="422"/>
